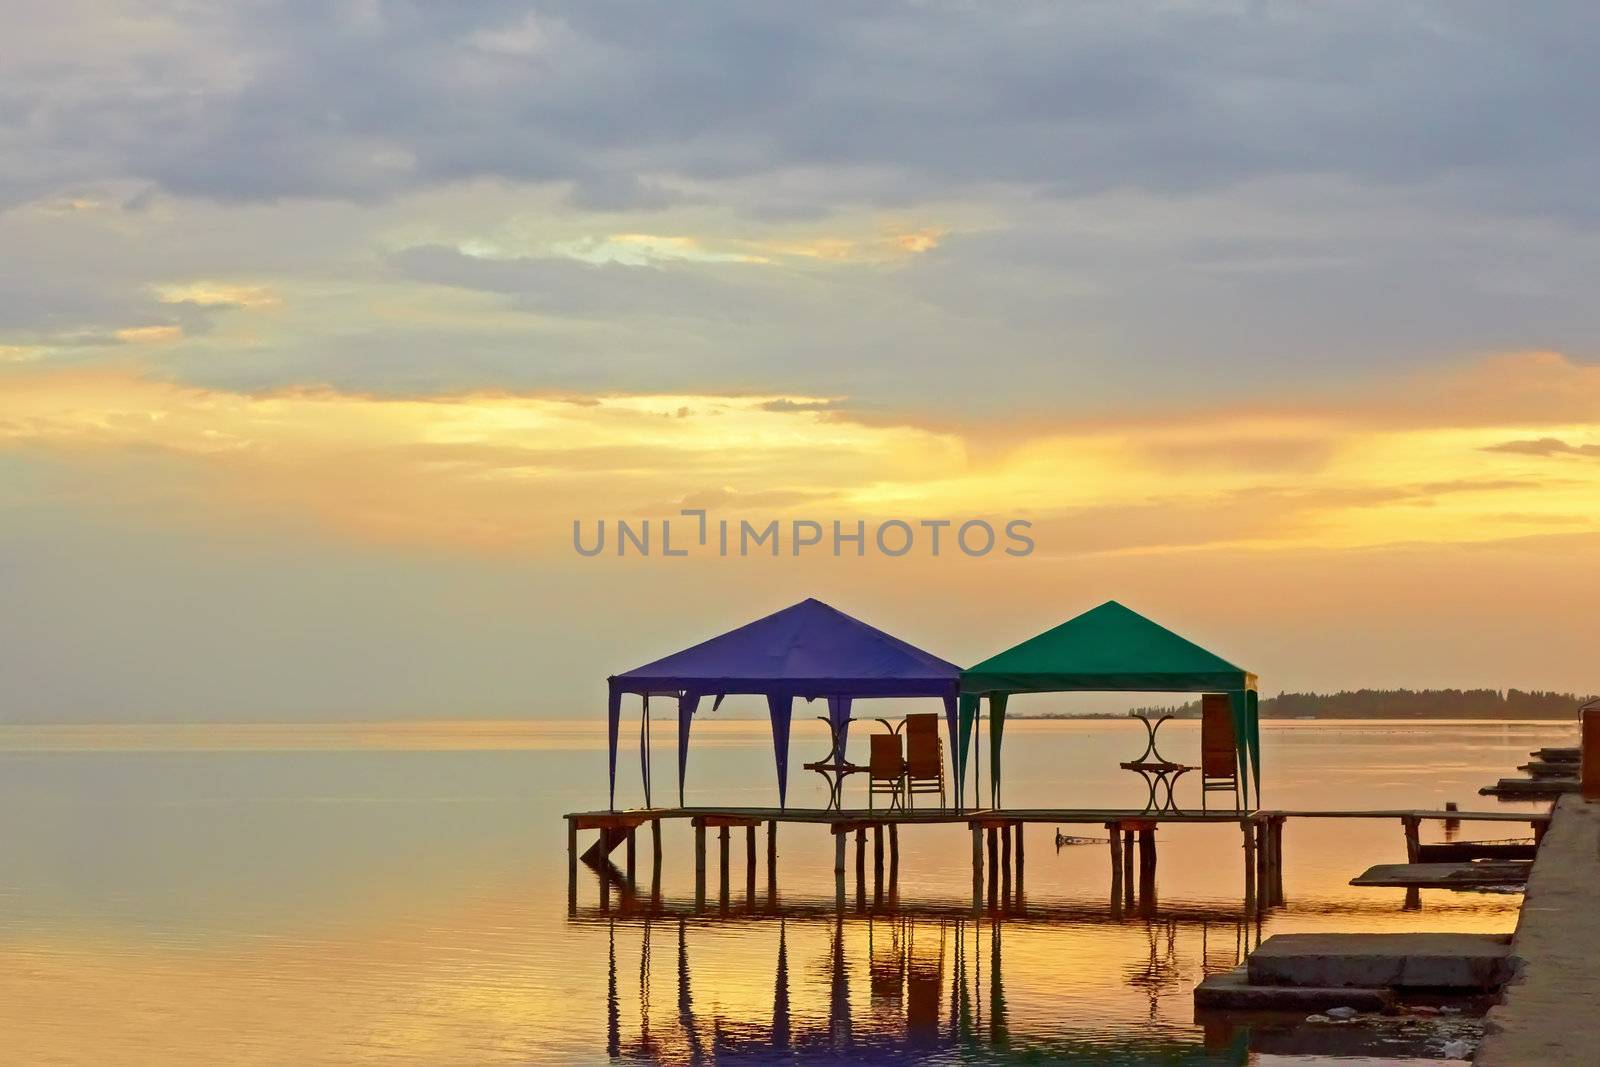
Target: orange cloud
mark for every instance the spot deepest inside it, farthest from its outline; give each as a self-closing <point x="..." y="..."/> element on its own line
<point x="509" y="472"/>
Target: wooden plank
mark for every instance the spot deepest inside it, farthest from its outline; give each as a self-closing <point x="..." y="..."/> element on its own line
<point x="1443" y="875"/>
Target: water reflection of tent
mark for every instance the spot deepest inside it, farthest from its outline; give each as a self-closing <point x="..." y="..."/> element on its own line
<point x="1110" y="648"/>
<point x="808" y="650"/>
<point x="879" y="1037"/>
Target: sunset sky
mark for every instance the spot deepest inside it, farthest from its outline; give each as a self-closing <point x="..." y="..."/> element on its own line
<point x="320" y="324"/>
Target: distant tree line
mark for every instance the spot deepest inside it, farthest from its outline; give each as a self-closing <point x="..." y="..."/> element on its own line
<point x="1406" y="704"/>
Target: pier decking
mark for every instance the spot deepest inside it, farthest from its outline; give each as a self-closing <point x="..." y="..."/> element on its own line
<point x="996" y="834"/>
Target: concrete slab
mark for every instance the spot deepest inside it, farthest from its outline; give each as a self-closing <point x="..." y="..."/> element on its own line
<point x="1443" y="875"/>
<point x="1377" y="961"/>
<point x="1548" y="1018"/>
<point x="1233" y="991"/>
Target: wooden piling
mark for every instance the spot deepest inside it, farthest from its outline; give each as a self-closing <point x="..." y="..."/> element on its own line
<point x="572" y="865"/>
<point x="1249" y="864"/>
<point x="1147" y="868"/>
<point x="994" y="867"/>
<point x="772" y="857"/>
<point x="655" y="856"/>
<point x="894" y="851"/>
<point x="1277" y="859"/>
<point x="1005" y="863"/>
<point x="838" y="867"/>
<point x="977" y="867"/>
<point x="750" y="864"/>
<point x="631" y="869"/>
<point x="861" y="866"/>
<point x="722" y="846"/>
<point x="1019" y="852"/>
<point x="1589" y="753"/>
<point x="1263" y="862"/>
<point x="1413" y="842"/>
<point x="1114" y="838"/>
<point x="877" y="863"/>
<point x="1127" y="868"/>
<point x="699" y="865"/>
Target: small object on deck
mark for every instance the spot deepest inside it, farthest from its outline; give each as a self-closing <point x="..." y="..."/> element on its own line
<point x="1160" y="775"/>
<point x="924" y="757"/>
<point x="887" y="770"/>
<point x="1219" y="752"/>
<point x="1443" y="875"/>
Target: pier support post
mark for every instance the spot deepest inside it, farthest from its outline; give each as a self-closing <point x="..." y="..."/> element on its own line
<point x="861" y="867"/>
<point x="1114" y="837"/>
<point x="699" y="865"/>
<point x="1005" y="864"/>
<point x="631" y="867"/>
<point x="722" y="847"/>
<point x="977" y="868"/>
<point x="572" y="865"/>
<point x="655" y="857"/>
<point x="877" y="864"/>
<point x="1249" y="864"/>
<point x="994" y="867"/>
<point x="838" y="867"/>
<point x="1277" y="860"/>
<point x="1127" y="868"/>
<point x="1264" y="862"/>
<point x="1413" y="844"/>
<point x="750" y="865"/>
<point x="1019" y="853"/>
<point x="772" y="860"/>
<point x="1147" y="869"/>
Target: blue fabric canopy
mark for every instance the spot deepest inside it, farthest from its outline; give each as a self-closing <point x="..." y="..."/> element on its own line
<point x="808" y="650"/>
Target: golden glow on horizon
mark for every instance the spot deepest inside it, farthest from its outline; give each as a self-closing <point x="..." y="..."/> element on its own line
<point x="509" y="471"/>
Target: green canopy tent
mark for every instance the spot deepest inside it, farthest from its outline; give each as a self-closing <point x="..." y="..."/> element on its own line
<point x="1107" y="649"/>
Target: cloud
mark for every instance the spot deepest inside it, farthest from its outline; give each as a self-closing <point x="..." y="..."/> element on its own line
<point x="149" y="335"/>
<point x="1544" y="446"/>
<point x="897" y="102"/>
<point x="504" y="471"/>
<point x="217" y="295"/>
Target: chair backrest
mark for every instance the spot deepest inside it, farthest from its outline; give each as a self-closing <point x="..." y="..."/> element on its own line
<point x="887" y="763"/>
<point x="1218" y="749"/>
<point x="924" y="756"/>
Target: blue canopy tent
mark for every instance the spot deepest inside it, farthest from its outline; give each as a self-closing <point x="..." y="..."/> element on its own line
<point x="808" y="650"/>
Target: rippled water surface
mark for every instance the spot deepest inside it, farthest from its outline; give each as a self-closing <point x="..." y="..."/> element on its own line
<point x="397" y="894"/>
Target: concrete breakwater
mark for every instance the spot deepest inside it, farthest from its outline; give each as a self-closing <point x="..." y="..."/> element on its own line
<point x="1547" y="1015"/>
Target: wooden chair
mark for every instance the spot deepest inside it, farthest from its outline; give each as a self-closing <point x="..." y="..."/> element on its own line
<point x="886" y="770"/>
<point x="1219" y="753"/>
<point x="924" y="757"/>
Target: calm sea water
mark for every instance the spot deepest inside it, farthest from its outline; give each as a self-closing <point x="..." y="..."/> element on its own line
<point x="396" y="894"/>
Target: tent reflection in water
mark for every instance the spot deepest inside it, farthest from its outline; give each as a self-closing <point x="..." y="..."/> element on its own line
<point x="807" y="651"/>
<point x="1110" y="648"/>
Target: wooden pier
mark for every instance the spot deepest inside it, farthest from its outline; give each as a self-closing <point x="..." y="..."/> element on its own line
<point x="998" y="846"/>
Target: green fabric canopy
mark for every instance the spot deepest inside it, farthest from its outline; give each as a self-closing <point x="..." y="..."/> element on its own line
<point x="1110" y="648"/>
